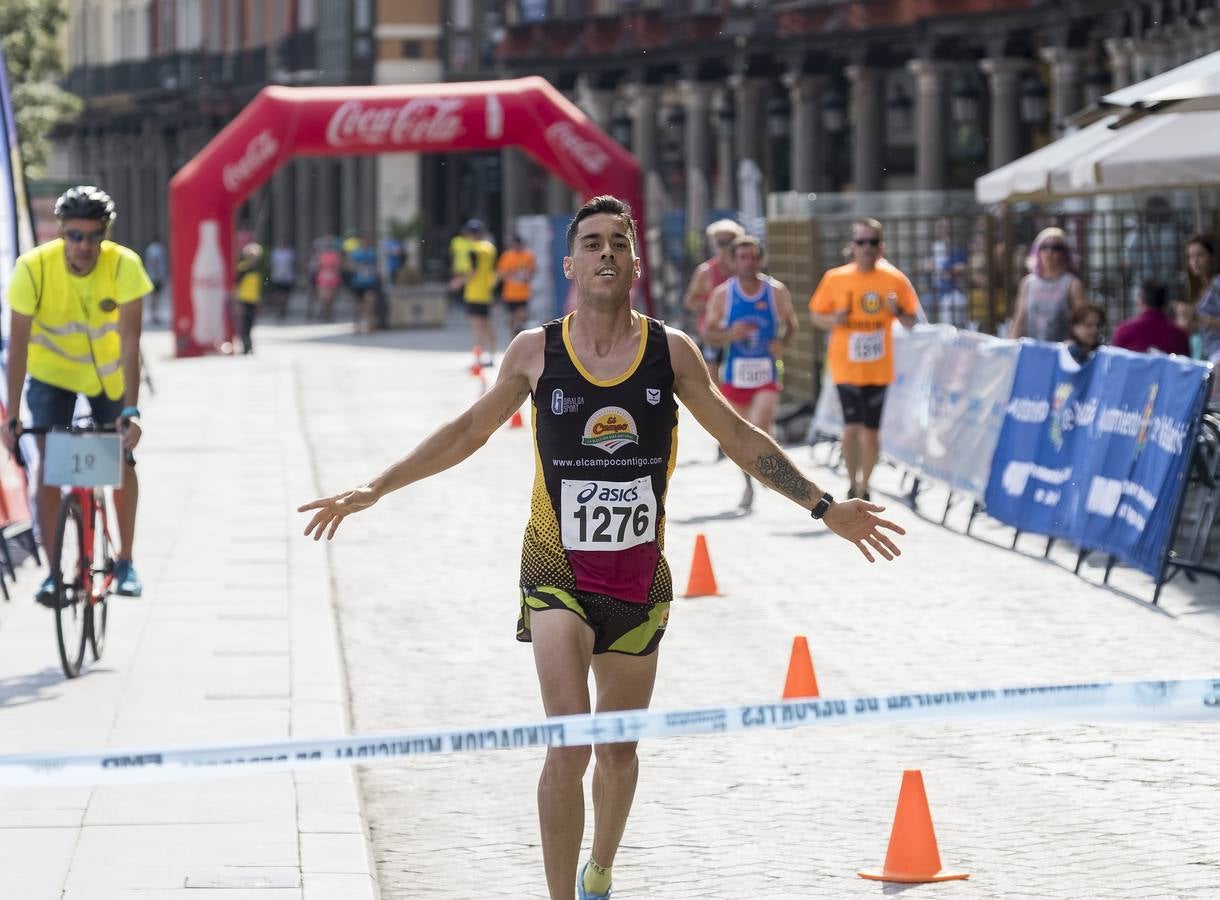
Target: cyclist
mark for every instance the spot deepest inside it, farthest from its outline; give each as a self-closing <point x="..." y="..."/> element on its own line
<point x="77" y="307"/>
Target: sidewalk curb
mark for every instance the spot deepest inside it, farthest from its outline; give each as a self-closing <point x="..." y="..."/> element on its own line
<point x="335" y="848"/>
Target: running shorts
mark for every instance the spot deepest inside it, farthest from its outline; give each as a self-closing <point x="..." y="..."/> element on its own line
<point x="739" y="396"/>
<point x="618" y="627"/>
<point x="862" y="404"/>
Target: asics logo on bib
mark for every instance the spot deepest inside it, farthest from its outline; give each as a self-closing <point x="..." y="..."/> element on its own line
<point x="610" y="494"/>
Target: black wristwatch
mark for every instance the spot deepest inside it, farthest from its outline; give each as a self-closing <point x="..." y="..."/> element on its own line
<point x="819" y="508"/>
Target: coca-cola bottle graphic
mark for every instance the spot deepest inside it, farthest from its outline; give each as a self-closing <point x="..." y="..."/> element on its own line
<point x="208" y="286"/>
<point x="495" y="117"/>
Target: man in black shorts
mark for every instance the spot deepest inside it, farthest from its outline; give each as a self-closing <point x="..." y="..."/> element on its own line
<point x="858" y="304"/>
<point x="595" y="588"/>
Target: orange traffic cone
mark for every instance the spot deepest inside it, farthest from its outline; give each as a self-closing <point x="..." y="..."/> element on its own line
<point x="516" y="421"/>
<point x="702" y="583"/>
<point x="801" y="682"/>
<point x="912" y="857"/>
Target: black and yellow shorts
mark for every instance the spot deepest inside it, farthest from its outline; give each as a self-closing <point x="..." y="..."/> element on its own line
<point x="618" y="627"/>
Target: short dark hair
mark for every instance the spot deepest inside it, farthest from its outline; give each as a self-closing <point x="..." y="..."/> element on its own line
<point x="607" y="205"/>
<point x="1082" y="312"/>
<point x="1154" y="293"/>
<point x="869" y="223"/>
<point x="748" y="240"/>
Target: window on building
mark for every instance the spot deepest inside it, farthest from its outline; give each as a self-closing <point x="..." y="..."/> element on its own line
<point x="256" y="31"/>
<point x="460" y="15"/>
<point x="412" y="50"/>
<point x="188" y="25"/>
<point x="165" y="26"/>
<point x="233" y="25"/>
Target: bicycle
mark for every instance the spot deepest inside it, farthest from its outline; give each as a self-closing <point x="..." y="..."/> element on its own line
<point x="84" y="459"/>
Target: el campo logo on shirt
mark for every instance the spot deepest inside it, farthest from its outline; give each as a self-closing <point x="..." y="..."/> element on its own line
<point x="609" y="428"/>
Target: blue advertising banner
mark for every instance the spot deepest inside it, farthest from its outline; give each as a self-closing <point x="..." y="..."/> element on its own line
<point x="1096" y="454"/>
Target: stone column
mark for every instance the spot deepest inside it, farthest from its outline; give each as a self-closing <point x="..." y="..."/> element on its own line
<point x="696" y="101"/>
<point x="1181" y="37"/>
<point x="868" y="133"/>
<point x="1004" y="81"/>
<point x="596" y="102"/>
<point x="305" y="220"/>
<point x="1150" y="57"/>
<point x="326" y="196"/>
<point x="139" y="156"/>
<point x="750" y="125"/>
<point x="1067" y="83"/>
<point x="514" y="181"/>
<point x="932" y="79"/>
<point x="281" y="206"/>
<point x="162" y="172"/>
<point x="807" y="144"/>
<point x="370" y="207"/>
<point x="726" y="164"/>
<point x="349" y="194"/>
<point x="1119" y="52"/>
<point x="642" y="108"/>
<point x="1208" y="40"/>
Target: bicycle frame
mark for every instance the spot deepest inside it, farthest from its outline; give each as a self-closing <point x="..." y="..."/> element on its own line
<point x="93" y="500"/>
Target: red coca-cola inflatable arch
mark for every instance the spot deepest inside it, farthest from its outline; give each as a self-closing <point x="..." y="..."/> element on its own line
<point x="283" y="122"/>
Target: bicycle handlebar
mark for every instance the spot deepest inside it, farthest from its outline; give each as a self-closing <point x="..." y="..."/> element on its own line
<point x="109" y="428"/>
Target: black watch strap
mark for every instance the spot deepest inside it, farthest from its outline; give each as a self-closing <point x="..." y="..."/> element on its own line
<point x="819" y="508"/>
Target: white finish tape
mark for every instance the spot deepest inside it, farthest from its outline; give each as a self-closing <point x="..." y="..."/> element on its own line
<point x="1182" y="700"/>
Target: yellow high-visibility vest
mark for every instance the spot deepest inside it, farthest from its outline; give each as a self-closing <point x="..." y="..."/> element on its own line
<point x="74" y="339"/>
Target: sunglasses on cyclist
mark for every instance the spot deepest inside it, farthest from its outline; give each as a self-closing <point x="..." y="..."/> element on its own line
<point x="867" y="242"/>
<point x="93" y="237"/>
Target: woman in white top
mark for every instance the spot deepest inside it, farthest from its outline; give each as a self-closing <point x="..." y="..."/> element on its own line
<point x="1050" y="293"/>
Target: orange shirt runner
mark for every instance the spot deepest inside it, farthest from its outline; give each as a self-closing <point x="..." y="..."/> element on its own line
<point x="861" y="352"/>
<point x="516" y="267"/>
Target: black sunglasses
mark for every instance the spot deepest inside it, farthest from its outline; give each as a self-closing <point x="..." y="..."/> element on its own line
<point x="93" y="237"/>
<point x="870" y="242"/>
<point x="1055" y="248"/>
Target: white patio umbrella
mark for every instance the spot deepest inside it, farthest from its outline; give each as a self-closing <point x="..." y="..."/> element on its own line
<point x="1171" y="150"/>
<point x="1192" y="87"/>
<point x="1031" y="176"/>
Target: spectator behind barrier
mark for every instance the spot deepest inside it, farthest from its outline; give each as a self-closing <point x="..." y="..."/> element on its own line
<point x="1152" y="328"/>
<point x="1085" y="335"/>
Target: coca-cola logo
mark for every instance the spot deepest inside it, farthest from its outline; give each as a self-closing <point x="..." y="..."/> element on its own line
<point x="418" y="121"/>
<point x="589" y="155"/>
<point x="262" y="147"/>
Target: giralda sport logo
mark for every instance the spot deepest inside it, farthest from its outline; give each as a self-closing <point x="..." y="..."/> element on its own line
<point x="609" y="428"/>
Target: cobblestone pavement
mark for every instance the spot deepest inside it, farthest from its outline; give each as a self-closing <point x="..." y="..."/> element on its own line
<point x="427" y="606"/>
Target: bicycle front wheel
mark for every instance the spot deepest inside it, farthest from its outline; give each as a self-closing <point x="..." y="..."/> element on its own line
<point x="70" y="569"/>
<point x="102" y="572"/>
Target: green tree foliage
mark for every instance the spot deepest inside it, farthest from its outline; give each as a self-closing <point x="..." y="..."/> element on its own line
<point x="29" y="35"/>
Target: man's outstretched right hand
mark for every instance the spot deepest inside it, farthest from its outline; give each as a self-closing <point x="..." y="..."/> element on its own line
<point x="332" y="510"/>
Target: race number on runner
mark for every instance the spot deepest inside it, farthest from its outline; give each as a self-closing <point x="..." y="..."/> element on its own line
<point x="607" y="515"/>
<point x="866" y="346"/>
<point x="751" y="371"/>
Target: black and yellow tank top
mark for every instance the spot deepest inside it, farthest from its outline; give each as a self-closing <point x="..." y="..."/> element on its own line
<point x="605" y="451"/>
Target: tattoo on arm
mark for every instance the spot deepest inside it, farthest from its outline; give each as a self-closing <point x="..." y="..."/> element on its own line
<point x="783" y="476"/>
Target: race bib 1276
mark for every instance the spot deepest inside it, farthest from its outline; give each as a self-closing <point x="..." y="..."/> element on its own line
<point x="607" y="515"/>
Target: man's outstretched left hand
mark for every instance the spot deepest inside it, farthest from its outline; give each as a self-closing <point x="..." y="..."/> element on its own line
<point x="857" y="521"/>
